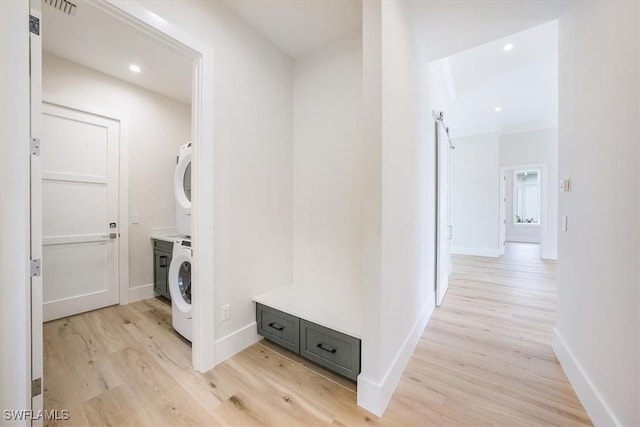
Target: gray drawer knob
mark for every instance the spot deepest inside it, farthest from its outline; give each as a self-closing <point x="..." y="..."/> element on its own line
<point x="327" y="348"/>
<point x="276" y="326"/>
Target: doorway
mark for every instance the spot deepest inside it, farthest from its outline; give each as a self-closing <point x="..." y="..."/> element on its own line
<point x="201" y="57"/>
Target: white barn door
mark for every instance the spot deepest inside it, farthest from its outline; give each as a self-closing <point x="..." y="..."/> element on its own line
<point x="80" y="154"/>
<point x="443" y="213"/>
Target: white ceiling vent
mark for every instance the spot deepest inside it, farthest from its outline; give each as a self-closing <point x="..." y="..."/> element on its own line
<point x="63" y="6"/>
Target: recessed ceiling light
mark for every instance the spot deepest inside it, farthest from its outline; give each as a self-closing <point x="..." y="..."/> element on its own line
<point x="498" y="109"/>
<point x="135" y="68"/>
<point x="507" y="47"/>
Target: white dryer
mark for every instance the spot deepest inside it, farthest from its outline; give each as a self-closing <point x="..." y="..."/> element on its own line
<point x="182" y="191"/>
<point x="180" y="287"/>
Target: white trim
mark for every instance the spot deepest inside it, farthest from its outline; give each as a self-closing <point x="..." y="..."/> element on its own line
<point x="138" y="293"/>
<point x="592" y="400"/>
<point x="236" y="341"/>
<point x="549" y="255"/>
<point x="514" y="193"/>
<point x="523" y="239"/>
<point x="485" y="252"/>
<point x="544" y="208"/>
<point x="202" y="117"/>
<point x="374" y="396"/>
<point x="15" y="302"/>
<point x="123" y="181"/>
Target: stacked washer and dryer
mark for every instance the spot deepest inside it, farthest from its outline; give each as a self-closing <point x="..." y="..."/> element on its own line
<point x="180" y="268"/>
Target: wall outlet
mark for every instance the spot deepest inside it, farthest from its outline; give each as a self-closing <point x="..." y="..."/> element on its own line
<point x="226" y="312"/>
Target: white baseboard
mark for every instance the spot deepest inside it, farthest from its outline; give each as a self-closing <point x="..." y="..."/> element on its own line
<point x="373" y="396"/>
<point x="551" y="255"/>
<point x="493" y="253"/>
<point x="236" y="341"/>
<point x="141" y="292"/>
<point x="523" y="239"/>
<point x="593" y="402"/>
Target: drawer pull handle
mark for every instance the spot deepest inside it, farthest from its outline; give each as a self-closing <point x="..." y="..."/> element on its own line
<point x="276" y="326"/>
<point x="163" y="261"/>
<point x="327" y="348"/>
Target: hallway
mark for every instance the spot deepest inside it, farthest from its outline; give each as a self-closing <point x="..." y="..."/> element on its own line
<point x="485" y="356"/>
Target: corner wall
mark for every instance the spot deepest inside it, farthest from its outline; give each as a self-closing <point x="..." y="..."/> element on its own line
<point x="404" y="283"/>
<point x="598" y="317"/>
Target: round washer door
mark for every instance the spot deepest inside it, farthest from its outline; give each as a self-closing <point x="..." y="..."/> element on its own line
<point x="180" y="283"/>
<point x="182" y="183"/>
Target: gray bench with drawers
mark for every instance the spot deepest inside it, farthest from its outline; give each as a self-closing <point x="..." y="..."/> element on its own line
<point x="326" y="346"/>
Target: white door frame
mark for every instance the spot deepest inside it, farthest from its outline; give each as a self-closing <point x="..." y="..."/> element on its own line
<point x="544" y="199"/>
<point x="15" y="234"/>
<point x="135" y="15"/>
<point x="123" y="183"/>
<point x="502" y="229"/>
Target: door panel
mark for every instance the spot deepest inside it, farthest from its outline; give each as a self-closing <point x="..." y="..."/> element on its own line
<point x="80" y="200"/>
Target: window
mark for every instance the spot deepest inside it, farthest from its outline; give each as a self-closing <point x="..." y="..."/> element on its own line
<point x="527" y="197"/>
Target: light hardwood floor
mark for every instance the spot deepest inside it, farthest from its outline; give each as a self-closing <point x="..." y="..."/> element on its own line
<point x="485" y="358"/>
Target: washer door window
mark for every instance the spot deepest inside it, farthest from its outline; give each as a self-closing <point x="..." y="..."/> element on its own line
<point x="180" y="282"/>
<point x="186" y="182"/>
<point x="182" y="183"/>
<point x="184" y="281"/>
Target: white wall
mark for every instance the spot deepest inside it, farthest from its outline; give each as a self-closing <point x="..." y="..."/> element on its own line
<point x="158" y="125"/>
<point x="253" y="151"/>
<point x="597" y="331"/>
<point x="538" y="147"/>
<point x="327" y="165"/>
<point x="475" y="195"/>
<point x="405" y="288"/>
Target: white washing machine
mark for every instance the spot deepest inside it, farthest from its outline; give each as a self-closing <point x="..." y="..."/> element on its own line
<point x="182" y="191"/>
<point x="180" y="287"/>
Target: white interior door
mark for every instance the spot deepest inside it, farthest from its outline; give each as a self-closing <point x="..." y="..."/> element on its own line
<point x="443" y="215"/>
<point x="80" y="211"/>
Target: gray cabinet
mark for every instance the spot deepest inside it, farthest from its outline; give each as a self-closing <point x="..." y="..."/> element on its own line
<point x="332" y="349"/>
<point x="162" y="253"/>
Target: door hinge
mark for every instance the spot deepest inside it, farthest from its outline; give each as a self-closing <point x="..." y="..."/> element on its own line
<point x="35" y="147"/>
<point x="36" y="387"/>
<point x="35" y="267"/>
<point x="34" y="25"/>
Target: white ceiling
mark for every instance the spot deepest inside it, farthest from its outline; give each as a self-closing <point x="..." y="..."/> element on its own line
<point x="300" y="26"/>
<point x="97" y="40"/>
<point x="447" y="27"/>
<point x="522" y="82"/>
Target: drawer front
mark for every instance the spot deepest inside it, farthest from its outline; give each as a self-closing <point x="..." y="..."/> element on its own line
<point x="331" y="349"/>
<point x="162" y="245"/>
<point x="279" y="327"/>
